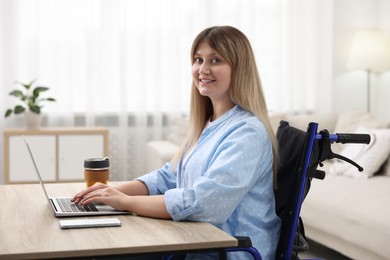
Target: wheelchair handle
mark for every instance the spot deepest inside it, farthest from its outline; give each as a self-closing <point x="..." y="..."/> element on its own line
<point x="354" y="138"/>
<point x="348" y="138"/>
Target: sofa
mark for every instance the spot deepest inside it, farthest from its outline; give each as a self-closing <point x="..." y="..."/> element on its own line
<point x="348" y="211"/>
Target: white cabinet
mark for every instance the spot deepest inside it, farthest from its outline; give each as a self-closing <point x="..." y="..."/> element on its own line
<point x="59" y="153"/>
<point x="20" y="164"/>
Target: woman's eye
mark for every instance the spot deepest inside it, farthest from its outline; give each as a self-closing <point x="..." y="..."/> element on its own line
<point x="198" y="60"/>
<point x="215" y="60"/>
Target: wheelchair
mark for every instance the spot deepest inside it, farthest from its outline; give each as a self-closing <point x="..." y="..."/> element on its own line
<point x="300" y="153"/>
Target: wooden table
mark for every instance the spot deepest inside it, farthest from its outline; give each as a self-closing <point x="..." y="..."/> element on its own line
<point x="29" y="230"/>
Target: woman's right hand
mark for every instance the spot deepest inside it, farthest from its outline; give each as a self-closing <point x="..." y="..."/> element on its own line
<point x="80" y="196"/>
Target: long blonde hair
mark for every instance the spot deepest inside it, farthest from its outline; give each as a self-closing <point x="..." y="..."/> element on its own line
<point x="245" y="89"/>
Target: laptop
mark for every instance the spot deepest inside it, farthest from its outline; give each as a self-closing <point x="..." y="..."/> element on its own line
<point x="63" y="207"/>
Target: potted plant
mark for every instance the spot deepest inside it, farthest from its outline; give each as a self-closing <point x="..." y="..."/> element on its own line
<point x="31" y="103"/>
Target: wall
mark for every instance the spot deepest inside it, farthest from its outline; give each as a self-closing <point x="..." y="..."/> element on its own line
<point x="384" y="80"/>
<point x="350" y="87"/>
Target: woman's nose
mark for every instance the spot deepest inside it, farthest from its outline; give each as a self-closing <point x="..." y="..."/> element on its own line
<point x="204" y="69"/>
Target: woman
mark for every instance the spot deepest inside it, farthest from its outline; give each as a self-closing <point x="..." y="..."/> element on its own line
<point x="223" y="174"/>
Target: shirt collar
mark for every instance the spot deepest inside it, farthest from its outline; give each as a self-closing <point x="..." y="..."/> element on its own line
<point x="234" y="110"/>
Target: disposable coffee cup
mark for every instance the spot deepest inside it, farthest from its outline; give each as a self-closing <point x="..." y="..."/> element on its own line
<point x="96" y="170"/>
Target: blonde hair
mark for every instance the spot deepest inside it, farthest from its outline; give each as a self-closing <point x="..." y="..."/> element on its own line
<point x="245" y="89"/>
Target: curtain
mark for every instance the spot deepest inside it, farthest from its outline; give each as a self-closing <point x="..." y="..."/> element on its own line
<point x="125" y="64"/>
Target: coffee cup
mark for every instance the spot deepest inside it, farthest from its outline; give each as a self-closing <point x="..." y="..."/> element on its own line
<point x="96" y="170"/>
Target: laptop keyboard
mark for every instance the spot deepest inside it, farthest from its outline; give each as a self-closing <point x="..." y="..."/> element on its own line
<point x="67" y="205"/>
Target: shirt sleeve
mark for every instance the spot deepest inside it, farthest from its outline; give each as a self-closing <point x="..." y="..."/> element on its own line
<point x="159" y="181"/>
<point x="241" y="159"/>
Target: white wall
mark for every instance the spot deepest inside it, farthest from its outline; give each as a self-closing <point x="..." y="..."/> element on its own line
<point x="350" y="87"/>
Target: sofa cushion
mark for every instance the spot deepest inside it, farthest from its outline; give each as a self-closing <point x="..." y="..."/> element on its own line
<point x="324" y="120"/>
<point x="371" y="157"/>
<point x="158" y="153"/>
<point x="349" y="121"/>
<point x="350" y="209"/>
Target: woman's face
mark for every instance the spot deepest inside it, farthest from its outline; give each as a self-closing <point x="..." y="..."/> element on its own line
<point x="211" y="73"/>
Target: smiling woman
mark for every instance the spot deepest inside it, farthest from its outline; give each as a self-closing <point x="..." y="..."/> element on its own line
<point x="226" y="163"/>
<point x="121" y="63"/>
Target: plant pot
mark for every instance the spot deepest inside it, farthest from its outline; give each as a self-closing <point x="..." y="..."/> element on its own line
<point x="32" y="120"/>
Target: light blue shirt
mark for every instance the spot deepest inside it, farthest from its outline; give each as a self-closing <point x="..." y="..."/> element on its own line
<point x="225" y="180"/>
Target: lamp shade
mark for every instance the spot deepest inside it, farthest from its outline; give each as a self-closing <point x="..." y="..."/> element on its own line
<point x="369" y="51"/>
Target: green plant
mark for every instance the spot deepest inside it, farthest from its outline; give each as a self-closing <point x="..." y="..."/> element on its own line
<point x="30" y="98"/>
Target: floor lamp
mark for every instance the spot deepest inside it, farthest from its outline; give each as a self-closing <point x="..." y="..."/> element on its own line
<point x="369" y="52"/>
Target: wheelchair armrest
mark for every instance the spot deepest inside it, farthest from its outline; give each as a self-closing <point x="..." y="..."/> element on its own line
<point x="244" y="241"/>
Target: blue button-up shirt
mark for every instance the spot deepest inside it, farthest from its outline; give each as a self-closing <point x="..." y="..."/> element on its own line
<point x="226" y="180"/>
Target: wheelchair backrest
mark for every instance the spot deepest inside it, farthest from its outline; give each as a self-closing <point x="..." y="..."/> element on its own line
<point x="298" y="152"/>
